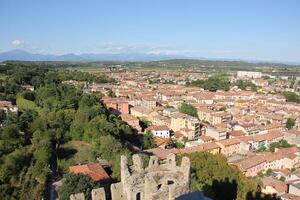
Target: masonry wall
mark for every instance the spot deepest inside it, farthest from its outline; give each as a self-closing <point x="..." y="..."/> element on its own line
<point x="158" y="181"/>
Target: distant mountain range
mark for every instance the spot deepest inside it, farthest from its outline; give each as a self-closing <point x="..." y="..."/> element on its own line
<point x="22" y="55"/>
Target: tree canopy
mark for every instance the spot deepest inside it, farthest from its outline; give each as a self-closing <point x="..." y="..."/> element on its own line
<point x="188" y="109"/>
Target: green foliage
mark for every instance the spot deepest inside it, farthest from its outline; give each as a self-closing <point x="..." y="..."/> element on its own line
<point x="269" y="172"/>
<point x="282" y="178"/>
<point x="281" y="144"/>
<point x="290" y="123"/>
<point x="177" y="144"/>
<point x="217" y="179"/>
<point x="77" y="183"/>
<point x="48" y="118"/>
<point x="83" y="76"/>
<point x="291" y="97"/>
<point x="188" y="109"/>
<point x="148" y="141"/>
<point x="213" y="83"/>
<point x="244" y="84"/>
<point x="105" y="147"/>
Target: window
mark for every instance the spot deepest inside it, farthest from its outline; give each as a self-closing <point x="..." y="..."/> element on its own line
<point x="138" y="196"/>
<point x="170" y="182"/>
<point x="159" y="186"/>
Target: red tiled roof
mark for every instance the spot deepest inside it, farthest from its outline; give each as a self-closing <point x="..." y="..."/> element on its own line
<point x="93" y="170"/>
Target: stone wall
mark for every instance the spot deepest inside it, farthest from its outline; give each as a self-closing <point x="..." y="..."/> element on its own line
<point x="158" y="181"/>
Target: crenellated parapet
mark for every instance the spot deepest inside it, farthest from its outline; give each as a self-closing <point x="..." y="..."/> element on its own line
<point x="158" y="181"/>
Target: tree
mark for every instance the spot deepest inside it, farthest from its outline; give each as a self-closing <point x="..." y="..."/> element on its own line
<point x="77" y="183"/>
<point x="291" y="97"/>
<point x="217" y="179"/>
<point x="148" y="141"/>
<point x="243" y="85"/>
<point x="290" y="123"/>
<point x="269" y="172"/>
<point x="188" y="109"/>
<point x="279" y="145"/>
<point x="105" y="147"/>
<point x="213" y="83"/>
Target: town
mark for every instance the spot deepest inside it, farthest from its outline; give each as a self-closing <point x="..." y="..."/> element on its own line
<point x="257" y="129"/>
<point x="150" y="100"/>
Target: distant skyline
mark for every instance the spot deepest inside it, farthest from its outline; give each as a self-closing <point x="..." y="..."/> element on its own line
<point x="267" y="30"/>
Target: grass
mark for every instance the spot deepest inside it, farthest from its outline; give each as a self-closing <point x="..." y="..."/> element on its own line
<point x="3" y="77"/>
<point x="79" y="151"/>
<point x="28" y="105"/>
<point x="74" y="153"/>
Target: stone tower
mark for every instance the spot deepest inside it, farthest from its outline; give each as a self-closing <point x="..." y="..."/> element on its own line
<point x="158" y="181"/>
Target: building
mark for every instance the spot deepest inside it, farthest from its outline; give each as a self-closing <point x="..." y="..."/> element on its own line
<point x="117" y="105"/>
<point x="183" y="121"/>
<point x="229" y="146"/>
<point x="159" y="131"/>
<point x="142" y="112"/>
<point x="8" y="107"/>
<point x="252" y="165"/>
<point x="248" y="74"/>
<point x="132" y="121"/>
<point x="93" y="170"/>
<point x="220" y="117"/>
<point x="271" y="185"/>
<point x="166" y="181"/>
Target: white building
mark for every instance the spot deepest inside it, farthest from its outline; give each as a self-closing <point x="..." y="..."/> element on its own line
<point x="248" y="74"/>
<point x="160" y="131"/>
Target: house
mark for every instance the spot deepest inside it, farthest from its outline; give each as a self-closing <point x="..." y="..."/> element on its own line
<point x="235" y="134"/>
<point x="142" y="112"/>
<point x="162" y="142"/>
<point x="271" y="185"/>
<point x="187" y="133"/>
<point x="208" y="147"/>
<point x="178" y="136"/>
<point x="229" y="146"/>
<point x="132" y="121"/>
<point x="203" y="139"/>
<point x="149" y="102"/>
<point x="180" y="121"/>
<point x="264" y="140"/>
<point x="220" y="117"/>
<point x="217" y="133"/>
<point x="249" y="74"/>
<point x="169" y="111"/>
<point x="204" y="114"/>
<point x="160" y="120"/>
<point x="159" y="131"/>
<point x="251" y="166"/>
<point x="93" y="170"/>
<point x="117" y="105"/>
<point x="8" y="107"/>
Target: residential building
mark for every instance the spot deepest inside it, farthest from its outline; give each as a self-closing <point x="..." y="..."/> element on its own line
<point x="93" y="170"/>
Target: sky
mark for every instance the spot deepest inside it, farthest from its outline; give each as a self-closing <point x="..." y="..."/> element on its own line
<point x="233" y="29"/>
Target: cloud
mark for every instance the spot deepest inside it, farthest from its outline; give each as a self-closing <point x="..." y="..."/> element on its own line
<point x="115" y="48"/>
<point x="17" y="42"/>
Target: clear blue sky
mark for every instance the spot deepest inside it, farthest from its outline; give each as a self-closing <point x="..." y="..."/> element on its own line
<point x="240" y="29"/>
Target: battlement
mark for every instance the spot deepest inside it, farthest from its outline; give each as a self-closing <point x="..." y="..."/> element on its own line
<point x="158" y="181"/>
